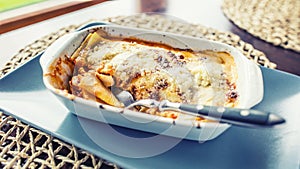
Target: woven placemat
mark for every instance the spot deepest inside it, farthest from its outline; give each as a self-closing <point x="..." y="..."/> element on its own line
<point x="275" y="21"/>
<point x="22" y="145"/>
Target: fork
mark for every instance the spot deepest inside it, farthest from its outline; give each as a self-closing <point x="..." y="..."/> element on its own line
<point x="235" y="116"/>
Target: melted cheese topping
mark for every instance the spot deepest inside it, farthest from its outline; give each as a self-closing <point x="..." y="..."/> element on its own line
<point x="160" y="71"/>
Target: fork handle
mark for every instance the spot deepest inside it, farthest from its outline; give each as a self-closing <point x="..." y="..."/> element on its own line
<point x="244" y="117"/>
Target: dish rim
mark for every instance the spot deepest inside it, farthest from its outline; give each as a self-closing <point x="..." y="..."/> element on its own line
<point x="62" y="45"/>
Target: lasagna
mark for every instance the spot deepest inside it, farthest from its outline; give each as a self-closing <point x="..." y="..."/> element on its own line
<point x="104" y="64"/>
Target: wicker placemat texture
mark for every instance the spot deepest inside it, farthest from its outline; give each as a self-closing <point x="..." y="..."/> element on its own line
<point x="275" y="21"/>
<point x="24" y="146"/>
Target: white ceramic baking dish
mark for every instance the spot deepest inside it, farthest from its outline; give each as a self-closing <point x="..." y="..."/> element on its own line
<point x="249" y="85"/>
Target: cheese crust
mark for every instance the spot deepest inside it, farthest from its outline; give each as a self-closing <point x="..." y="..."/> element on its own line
<point x="150" y="70"/>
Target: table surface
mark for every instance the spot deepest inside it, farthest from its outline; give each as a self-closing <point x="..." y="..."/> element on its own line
<point x="207" y="13"/>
